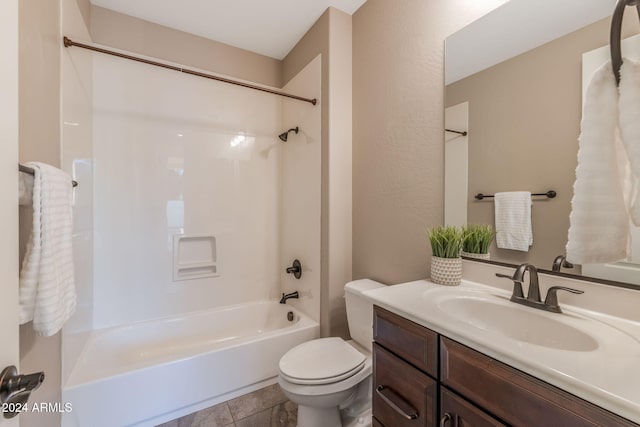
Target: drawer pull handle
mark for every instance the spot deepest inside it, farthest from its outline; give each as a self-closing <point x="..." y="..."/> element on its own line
<point x="407" y="413"/>
<point x="446" y="417"/>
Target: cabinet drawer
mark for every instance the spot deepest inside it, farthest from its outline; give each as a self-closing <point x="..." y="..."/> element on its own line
<point x="402" y="395"/>
<point x="455" y="411"/>
<point x="414" y="343"/>
<point x="513" y="396"/>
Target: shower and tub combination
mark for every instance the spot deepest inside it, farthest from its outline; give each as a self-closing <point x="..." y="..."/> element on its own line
<point x="191" y="187"/>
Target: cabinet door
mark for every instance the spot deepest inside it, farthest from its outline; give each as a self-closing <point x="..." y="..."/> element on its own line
<point x="414" y="343"/>
<point x="403" y="396"/>
<point x="457" y="412"/>
<point x="513" y="396"/>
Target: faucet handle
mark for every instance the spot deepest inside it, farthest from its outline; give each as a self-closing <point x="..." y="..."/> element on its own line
<point x="551" y="301"/>
<point x="517" y="285"/>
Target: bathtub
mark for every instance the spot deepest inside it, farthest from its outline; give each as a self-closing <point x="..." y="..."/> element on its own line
<point x="151" y="372"/>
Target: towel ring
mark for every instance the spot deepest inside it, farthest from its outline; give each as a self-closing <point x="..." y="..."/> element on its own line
<point x="616" y="34"/>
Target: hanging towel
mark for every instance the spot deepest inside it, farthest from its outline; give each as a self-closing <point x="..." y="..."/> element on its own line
<point x="513" y="220"/>
<point x="599" y="221"/>
<point x="629" y="125"/>
<point x="47" y="292"/>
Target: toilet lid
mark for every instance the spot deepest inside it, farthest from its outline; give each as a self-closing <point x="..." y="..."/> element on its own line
<point x="321" y="361"/>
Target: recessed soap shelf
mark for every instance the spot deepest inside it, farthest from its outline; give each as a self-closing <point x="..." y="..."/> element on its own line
<point x="194" y="257"/>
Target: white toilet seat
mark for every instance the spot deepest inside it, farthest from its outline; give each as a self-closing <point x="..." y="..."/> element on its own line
<point x="321" y="361"/>
<point x="324" y="389"/>
<point x="322" y="381"/>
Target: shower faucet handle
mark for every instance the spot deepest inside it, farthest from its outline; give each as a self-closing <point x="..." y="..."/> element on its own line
<point x="295" y="269"/>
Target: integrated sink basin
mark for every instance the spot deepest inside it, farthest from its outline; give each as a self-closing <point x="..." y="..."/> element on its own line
<point x="493" y="313"/>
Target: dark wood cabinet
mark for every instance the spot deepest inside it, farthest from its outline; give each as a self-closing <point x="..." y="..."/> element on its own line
<point x="457" y="412"/>
<point x="513" y="396"/>
<point x="403" y="396"/>
<point x="412" y="342"/>
<point x="472" y="389"/>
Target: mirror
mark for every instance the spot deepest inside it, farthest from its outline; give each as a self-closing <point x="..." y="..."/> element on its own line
<point x="514" y="81"/>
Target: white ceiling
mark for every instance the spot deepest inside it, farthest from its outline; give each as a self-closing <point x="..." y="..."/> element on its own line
<point x="268" y="27"/>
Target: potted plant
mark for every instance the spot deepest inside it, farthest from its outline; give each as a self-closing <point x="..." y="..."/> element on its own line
<point x="446" y="264"/>
<point x="476" y="239"/>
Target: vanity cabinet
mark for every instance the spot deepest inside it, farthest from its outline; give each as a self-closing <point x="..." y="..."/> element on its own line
<point x="513" y="396"/>
<point x="455" y="411"/>
<point x="403" y="396"/>
<point x="405" y="360"/>
<point x="412" y="342"/>
<point x="421" y="378"/>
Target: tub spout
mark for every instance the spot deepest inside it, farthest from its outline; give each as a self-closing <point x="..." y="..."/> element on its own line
<point x="285" y="297"/>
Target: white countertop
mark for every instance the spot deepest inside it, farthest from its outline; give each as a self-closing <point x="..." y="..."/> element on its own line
<point x="608" y="376"/>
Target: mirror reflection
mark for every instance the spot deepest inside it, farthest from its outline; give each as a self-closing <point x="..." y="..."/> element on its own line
<point x="516" y="86"/>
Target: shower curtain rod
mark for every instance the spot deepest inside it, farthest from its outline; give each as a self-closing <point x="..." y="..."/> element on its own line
<point x="68" y="43"/>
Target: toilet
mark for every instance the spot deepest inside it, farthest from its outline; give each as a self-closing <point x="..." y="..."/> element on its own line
<point x="330" y="378"/>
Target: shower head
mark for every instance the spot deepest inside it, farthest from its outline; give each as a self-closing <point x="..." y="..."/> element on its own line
<point x="284" y="135"/>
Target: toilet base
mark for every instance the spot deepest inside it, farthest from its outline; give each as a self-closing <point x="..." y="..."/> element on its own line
<point x="319" y="417"/>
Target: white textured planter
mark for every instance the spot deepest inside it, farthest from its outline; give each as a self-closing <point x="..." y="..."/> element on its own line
<point x="476" y="256"/>
<point x="446" y="271"/>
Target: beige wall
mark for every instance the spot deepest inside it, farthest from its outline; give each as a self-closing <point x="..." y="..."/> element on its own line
<point x="398" y="131"/>
<point x="85" y="10"/>
<point x="143" y="37"/>
<point x="40" y="81"/>
<point x="524" y="122"/>
<point x="39" y="93"/>
<point x="330" y="36"/>
<point x="340" y="168"/>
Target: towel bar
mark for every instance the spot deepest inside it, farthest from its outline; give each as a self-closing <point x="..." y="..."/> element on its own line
<point x="550" y="194"/>
<point x="27" y="169"/>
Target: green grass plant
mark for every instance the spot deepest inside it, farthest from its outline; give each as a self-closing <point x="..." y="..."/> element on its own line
<point x="476" y="238"/>
<point x="446" y="241"/>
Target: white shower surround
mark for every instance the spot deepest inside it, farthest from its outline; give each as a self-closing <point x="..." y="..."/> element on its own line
<point x="166" y="164"/>
<point x="178" y="154"/>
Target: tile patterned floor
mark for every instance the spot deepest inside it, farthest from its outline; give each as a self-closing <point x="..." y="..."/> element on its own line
<point x="267" y="407"/>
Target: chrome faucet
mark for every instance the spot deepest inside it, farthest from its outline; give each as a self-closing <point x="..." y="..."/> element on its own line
<point x="533" y="294"/>
<point x="559" y="262"/>
<point x="285" y="297"/>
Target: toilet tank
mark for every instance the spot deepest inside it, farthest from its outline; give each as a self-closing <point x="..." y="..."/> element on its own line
<point x="360" y="311"/>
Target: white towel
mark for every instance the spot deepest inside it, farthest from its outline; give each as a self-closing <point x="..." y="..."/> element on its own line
<point x="47" y="292"/>
<point x="629" y="124"/>
<point x="513" y="220"/>
<point x="599" y="221"/>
